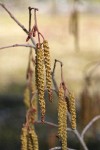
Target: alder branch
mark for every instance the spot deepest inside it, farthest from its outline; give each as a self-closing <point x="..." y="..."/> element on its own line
<point x="50" y="124"/>
<point x="17" y="45"/>
<point x="18" y="23"/>
<point x="68" y="129"/>
<point x="56" y="148"/>
<point x="74" y="131"/>
<point x="80" y="139"/>
<point x="53" y="76"/>
<point x="11" y="15"/>
<point x="89" y="125"/>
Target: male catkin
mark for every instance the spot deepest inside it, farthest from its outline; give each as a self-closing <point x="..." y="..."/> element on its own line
<point x="30" y="144"/>
<point x="40" y="81"/>
<point x="36" y="77"/>
<point x="72" y="109"/>
<point x="62" y="119"/>
<point x="47" y="68"/>
<point x="33" y="140"/>
<point x="24" y="138"/>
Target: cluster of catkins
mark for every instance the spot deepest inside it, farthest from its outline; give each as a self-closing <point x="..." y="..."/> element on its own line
<point x="43" y="81"/>
<point x="42" y="69"/>
<point x="29" y="139"/>
<point x="64" y="106"/>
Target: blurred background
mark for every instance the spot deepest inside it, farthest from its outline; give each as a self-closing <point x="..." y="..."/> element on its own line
<point x="72" y="28"/>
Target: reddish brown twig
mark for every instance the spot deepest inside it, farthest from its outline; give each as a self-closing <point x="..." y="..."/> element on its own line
<point x="35" y="29"/>
<point x="19" y="24"/>
<point x="17" y="45"/>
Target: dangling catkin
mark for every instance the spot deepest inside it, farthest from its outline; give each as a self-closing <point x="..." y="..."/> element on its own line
<point x="24" y="138"/>
<point x="36" y="77"/>
<point x="40" y="81"/>
<point x="48" y="68"/>
<point x="33" y="140"/>
<point x="30" y="144"/>
<point x="72" y="109"/>
<point x="60" y="113"/>
<point x="62" y="119"/>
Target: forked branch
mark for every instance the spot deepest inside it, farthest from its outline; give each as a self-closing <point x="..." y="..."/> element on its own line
<point x="89" y="125"/>
<point x="66" y="90"/>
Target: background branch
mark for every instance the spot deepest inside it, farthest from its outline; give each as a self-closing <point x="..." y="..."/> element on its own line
<point x="50" y="124"/>
<point x="89" y="125"/>
<point x="80" y="139"/>
<point x="59" y="148"/>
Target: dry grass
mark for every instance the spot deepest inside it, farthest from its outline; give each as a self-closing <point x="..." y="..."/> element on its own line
<point x="13" y="61"/>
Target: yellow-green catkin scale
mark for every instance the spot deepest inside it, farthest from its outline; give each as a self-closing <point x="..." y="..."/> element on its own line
<point x="72" y="109"/>
<point x="62" y="119"/>
<point x="64" y="137"/>
<point x="24" y="139"/>
<point x="27" y="97"/>
<point x="40" y="81"/>
<point x="33" y="140"/>
<point x="30" y="144"/>
<point x="36" y="74"/>
<point x="48" y="68"/>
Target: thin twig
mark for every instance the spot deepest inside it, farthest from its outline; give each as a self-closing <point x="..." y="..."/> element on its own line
<point x="68" y="129"/>
<point x="55" y="148"/>
<point x="80" y="139"/>
<point x="89" y="125"/>
<point x="30" y="18"/>
<point x="17" y="45"/>
<point x="54" y="67"/>
<point x="53" y="76"/>
<point x="51" y="124"/>
<point x="19" y="24"/>
<point x="53" y="73"/>
<point x="59" y="148"/>
<point x="11" y="15"/>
